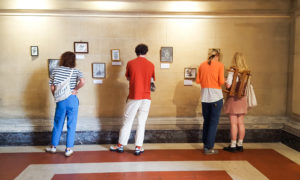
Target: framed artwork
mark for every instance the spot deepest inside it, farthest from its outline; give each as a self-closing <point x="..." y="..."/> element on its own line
<point x="34" y="50"/>
<point x="81" y="47"/>
<point x="115" y="55"/>
<point x="190" y="73"/>
<point x="98" y="70"/>
<point x="166" y="54"/>
<point x="52" y="64"/>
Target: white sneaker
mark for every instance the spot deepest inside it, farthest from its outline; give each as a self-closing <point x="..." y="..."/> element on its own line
<point x="68" y="152"/>
<point x="51" y="149"/>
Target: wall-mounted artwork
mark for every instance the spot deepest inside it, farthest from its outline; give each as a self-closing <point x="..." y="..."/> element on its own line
<point x="98" y="70"/>
<point x="166" y="54"/>
<point x="52" y="64"/>
<point x="81" y="47"/>
<point x="115" y="55"/>
<point x="190" y="73"/>
<point x="34" y="50"/>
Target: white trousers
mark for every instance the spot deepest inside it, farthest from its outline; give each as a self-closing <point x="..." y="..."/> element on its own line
<point x="139" y="108"/>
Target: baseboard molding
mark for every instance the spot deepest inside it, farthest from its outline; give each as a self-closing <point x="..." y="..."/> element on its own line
<point x="290" y="140"/>
<point x="151" y="136"/>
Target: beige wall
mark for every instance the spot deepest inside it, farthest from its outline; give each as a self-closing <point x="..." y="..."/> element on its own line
<point x="25" y="93"/>
<point x="296" y="73"/>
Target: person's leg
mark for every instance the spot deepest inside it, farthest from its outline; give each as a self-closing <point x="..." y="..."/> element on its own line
<point x="59" y="119"/>
<point x="206" y="120"/>
<point x="241" y="127"/>
<point x="72" y="113"/>
<point x="142" y="118"/>
<point x="216" y="108"/>
<point x="233" y="133"/>
<point x="131" y="109"/>
<point x="233" y="129"/>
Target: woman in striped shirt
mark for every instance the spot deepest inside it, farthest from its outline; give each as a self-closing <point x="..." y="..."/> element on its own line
<point x="69" y="106"/>
<point x="211" y="77"/>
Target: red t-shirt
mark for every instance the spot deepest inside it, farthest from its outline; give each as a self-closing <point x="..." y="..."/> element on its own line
<point x="139" y="72"/>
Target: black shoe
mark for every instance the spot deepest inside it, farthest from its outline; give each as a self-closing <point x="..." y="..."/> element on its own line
<point x="229" y="149"/>
<point x="240" y="148"/>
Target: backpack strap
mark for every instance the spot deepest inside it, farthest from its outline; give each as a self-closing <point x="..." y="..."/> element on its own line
<point x="71" y="73"/>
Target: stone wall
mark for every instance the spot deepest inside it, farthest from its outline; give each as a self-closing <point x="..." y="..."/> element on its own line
<point x="259" y="29"/>
<point x="25" y="92"/>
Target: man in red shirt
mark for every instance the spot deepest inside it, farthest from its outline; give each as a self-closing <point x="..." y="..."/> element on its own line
<point x="139" y="73"/>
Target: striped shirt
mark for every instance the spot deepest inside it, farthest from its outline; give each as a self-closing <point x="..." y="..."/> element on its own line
<point x="61" y="73"/>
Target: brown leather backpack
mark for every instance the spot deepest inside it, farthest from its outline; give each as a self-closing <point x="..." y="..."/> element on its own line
<point x="238" y="88"/>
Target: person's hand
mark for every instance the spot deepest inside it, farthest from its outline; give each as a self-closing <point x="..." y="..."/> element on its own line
<point x="74" y="92"/>
<point x="227" y="86"/>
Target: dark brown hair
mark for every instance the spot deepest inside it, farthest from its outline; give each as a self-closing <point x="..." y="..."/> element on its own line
<point x="141" y="49"/>
<point x="67" y="59"/>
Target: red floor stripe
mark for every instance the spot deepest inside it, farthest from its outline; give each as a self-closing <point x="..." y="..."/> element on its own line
<point x="170" y="175"/>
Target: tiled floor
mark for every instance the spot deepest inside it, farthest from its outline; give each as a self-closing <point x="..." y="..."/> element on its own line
<point x="159" y="162"/>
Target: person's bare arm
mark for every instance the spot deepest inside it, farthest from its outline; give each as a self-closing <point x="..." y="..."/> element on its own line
<point x="79" y="85"/>
<point x="227" y="85"/>
<point x="52" y="88"/>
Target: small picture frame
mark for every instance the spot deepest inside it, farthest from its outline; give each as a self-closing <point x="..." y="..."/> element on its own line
<point x="81" y="47"/>
<point x="115" y="55"/>
<point x="99" y="70"/>
<point x="166" y="54"/>
<point x="34" y="50"/>
<point x="52" y="64"/>
<point x="190" y="73"/>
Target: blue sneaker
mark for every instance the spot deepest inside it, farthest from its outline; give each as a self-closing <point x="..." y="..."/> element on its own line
<point x="118" y="148"/>
<point x="138" y="150"/>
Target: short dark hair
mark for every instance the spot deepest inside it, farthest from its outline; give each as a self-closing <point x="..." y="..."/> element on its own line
<point x="141" y="49"/>
<point x="67" y="59"/>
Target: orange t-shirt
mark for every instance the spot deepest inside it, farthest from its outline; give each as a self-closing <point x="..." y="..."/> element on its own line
<point x="211" y="76"/>
<point x="139" y="72"/>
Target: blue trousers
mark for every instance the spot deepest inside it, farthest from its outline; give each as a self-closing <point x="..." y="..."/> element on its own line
<point x="211" y="114"/>
<point x="66" y="108"/>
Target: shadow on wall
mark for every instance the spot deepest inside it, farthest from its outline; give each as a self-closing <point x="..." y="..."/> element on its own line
<point x="36" y="103"/>
<point x="112" y="94"/>
<point x="186" y="99"/>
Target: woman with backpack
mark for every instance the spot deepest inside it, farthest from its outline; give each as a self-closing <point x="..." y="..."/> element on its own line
<point x="236" y="106"/>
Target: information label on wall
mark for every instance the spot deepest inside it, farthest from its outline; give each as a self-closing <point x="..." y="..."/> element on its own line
<point x="188" y="82"/>
<point x="80" y="56"/>
<point x="98" y="81"/>
<point x="165" y="66"/>
<point x="118" y="63"/>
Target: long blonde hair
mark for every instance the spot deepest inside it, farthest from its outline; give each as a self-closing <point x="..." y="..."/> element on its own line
<point x="239" y="61"/>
